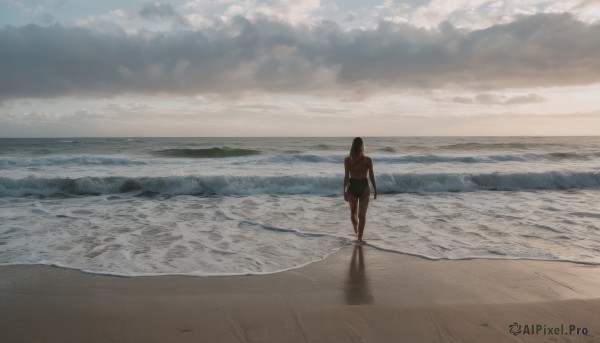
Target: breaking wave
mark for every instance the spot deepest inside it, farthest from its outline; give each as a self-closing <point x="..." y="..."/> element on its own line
<point x="252" y="185"/>
<point x="118" y="160"/>
<point x="428" y="159"/>
<point x="290" y="158"/>
<point x="206" y="153"/>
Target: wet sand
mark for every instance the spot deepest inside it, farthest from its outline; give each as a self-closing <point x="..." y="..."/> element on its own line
<point x="358" y="294"/>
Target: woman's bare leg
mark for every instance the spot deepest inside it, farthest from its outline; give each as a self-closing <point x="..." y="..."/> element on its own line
<point x="363" y="203"/>
<point x="353" y="201"/>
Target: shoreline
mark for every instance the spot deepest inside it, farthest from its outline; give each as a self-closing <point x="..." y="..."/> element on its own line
<point x="354" y="294"/>
<point x="370" y="246"/>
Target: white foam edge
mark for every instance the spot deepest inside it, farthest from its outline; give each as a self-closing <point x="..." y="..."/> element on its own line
<point x="90" y="271"/>
<point x="511" y="258"/>
<point x="331" y="251"/>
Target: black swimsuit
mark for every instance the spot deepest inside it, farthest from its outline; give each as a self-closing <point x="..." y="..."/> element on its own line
<point x="358" y="186"/>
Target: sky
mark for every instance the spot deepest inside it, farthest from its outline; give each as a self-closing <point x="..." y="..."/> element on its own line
<point x="77" y="68"/>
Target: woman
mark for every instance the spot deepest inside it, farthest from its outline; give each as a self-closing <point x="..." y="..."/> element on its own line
<point x="356" y="185"/>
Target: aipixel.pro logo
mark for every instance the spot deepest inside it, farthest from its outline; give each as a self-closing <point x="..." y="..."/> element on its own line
<point x="543" y="329"/>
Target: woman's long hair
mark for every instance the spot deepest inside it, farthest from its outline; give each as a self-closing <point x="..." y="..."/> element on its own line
<point x="355" y="149"/>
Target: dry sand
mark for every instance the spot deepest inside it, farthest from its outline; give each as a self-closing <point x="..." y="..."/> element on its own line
<point x="355" y="295"/>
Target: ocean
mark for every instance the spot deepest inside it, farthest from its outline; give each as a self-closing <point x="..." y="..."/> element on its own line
<point x="230" y="206"/>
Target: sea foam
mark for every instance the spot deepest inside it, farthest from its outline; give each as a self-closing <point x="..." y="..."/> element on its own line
<point x="319" y="185"/>
<point x="222" y="206"/>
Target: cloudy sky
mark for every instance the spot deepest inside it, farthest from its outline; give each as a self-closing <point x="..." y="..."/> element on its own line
<point x="299" y="67"/>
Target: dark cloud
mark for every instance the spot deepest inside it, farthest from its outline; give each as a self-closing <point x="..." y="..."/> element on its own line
<point x="269" y="56"/>
<point x="350" y="16"/>
<point x="495" y="99"/>
<point x="157" y="11"/>
<point x="524" y="99"/>
<point x="45" y="19"/>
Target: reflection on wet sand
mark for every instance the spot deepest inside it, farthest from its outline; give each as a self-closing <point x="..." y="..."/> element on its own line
<point x="357" y="290"/>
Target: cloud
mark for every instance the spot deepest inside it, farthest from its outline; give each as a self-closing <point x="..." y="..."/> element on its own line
<point x="108" y="23"/>
<point x="20" y="5"/>
<point x="157" y="11"/>
<point x="585" y="4"/>
<point x="128" y="107"/>
<point x="263" y="55"/>
<point x="351" y="16"/>
<point x="475" y="14"/>
<point x="290" y="11"/>
<point x="495" y="99"/>
<point x="45" y="19"/>
<point x="523" y="99"/>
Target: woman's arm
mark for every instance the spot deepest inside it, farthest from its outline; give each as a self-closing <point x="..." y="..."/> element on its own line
<point x="346" y="178"/>
<point x="372" y="177"/>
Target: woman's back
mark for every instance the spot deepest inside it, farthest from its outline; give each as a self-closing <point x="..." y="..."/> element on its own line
<point x="358" y="169"/>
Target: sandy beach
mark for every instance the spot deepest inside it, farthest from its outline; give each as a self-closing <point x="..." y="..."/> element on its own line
<point x="358" y="294"/>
